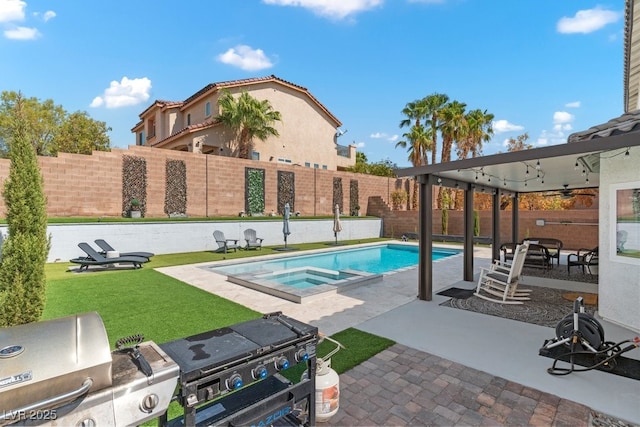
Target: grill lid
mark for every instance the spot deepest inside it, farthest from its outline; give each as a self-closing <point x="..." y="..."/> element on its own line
<point x="43" y="360"/>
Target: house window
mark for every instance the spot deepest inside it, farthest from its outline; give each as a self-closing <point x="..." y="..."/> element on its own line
<point x="207" y="109"/>
<point x="188" y="119"/>
<point x="316" y="166"/>
<point x="307" y="164"/>
<point x="324" y="167"/>
<point x="283" y="160"/>
<point x="255" y="155"/>
<point x="141" y="138"/>
<point x="151" y="127"/>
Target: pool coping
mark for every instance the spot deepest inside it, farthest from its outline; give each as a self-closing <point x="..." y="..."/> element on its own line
<point x="300" y="296"/>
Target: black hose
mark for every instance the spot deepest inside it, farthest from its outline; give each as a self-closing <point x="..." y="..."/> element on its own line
<point x="554" y="370"/>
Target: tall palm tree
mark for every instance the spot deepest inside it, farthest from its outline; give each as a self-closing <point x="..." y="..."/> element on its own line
<point x="479" y="129"/>
<point x="418" y="144"/>
<point x="453" y="127"/>
<point x="415" y="112"/>
<point x="434" y="104"/>
<point x="248" y="118"/>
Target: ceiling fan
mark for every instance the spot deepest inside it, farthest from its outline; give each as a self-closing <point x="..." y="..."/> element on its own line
<point x="566" y="193"/>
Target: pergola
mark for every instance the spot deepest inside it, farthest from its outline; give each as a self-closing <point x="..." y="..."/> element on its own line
<point x="574" y="165"/>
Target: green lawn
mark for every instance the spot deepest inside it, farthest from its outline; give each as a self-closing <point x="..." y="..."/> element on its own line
<point x="147" y="302"/>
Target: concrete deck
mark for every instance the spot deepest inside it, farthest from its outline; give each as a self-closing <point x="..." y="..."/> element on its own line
<point x="502" y="351"/>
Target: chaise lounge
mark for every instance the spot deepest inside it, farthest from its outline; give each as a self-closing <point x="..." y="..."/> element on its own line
<point x="95" y="258"/>
<point x="108" y="248"/>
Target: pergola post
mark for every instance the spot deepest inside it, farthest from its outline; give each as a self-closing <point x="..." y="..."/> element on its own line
<point x="514" y="218"/>
<point x="468" y="234"/>
<point x="495" y="225"/>
<point x="425" y="221"/>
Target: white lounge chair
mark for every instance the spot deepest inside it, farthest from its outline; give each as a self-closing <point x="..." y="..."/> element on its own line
<point x="499" y="283"/>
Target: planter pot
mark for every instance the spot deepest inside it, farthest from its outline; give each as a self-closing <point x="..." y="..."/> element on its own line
<point x="134" y="214"/>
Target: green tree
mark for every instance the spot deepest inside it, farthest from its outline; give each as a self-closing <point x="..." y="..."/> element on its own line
<point x="479" y="129"/>
<point x="248" y="118"/>
<point x="50" y="129"/>
<point x="81" y="134"/>
<point x="25" y="249"/>
<point x="381" y="168"/>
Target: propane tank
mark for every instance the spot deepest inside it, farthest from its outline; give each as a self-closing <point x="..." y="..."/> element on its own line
<point x="327" y="385"/>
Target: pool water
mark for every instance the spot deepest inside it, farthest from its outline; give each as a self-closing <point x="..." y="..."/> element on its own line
<point x="299" y="277"/>
<point x="377" y="259"/>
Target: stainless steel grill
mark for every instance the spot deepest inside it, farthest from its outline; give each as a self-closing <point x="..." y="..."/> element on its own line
<point x="63" y="372"/>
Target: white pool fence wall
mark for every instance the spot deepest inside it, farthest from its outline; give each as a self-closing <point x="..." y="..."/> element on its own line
<point x="178" y="237"/>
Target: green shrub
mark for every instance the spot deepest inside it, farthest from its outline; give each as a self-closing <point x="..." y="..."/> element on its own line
<point x="476" y="223"/>
<point x="25" y="250"/>
<point x="445" y="221"/>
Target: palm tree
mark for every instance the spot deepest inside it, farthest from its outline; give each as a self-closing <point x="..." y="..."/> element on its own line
<point x="453" y="127"/>
<point x="249" y="118"/>
<point x="479" y="129"/>
<point x="419" y="144"/>
<point x="434" y="104"/>
<point x="415" y="112"/>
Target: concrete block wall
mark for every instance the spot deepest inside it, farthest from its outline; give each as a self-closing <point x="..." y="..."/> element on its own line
<point x="91" y="185"/>
<point x="576" y="228"/>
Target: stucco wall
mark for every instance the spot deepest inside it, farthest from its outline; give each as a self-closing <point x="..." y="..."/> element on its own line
<point x="179" y="237"/>
<point x="619" y="277"/>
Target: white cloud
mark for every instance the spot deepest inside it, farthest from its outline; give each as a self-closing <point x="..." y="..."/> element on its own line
<point x="245" y="58"/>
<point x="500" y="126"/>
<point x="12" y="10"/>
<point x="562" y="117"/>
<point x="335" y="9"/>
<point x="587" y="21"/>
<point x="22" y="33"/>
<point x="49" y="14"/>
<point x="359" y="144"/>
<point x="385" y="136"/>
<point x="575" y="104"/>
<point x="125" y="93"/>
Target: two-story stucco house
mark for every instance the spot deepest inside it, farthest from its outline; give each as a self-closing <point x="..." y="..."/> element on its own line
<point x="308" y="132"/>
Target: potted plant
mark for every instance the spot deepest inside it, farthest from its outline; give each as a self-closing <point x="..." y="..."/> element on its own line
<point x="134" y="212"/>
<point x="356" y="210"/>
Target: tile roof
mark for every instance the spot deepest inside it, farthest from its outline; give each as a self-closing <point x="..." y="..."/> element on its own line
<point x="626" y="123"/>
<point x="191" y="128"/>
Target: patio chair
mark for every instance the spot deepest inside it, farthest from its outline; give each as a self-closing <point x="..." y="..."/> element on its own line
<point x="499" y="283"/>
<point x="224" y="244"/>
<point x="586" y="259"/>
<point x="102" y="244"/>
<point x="253" y="242"/>
<point x="95" y="258"/>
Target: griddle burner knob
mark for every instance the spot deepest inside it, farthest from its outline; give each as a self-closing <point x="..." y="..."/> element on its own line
<point x="282" y="363"/>
<point x="259" y="372"/>
<point x="149" y="403"/>
<point x="234" y="382"/>
<point x="301" y="355"/>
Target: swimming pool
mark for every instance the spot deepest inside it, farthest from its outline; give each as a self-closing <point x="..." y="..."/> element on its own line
<point x="300" y="277"/>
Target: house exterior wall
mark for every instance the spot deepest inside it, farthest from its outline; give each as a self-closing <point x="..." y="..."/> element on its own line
<point x="619" y="278"/>
<point x="307" y="134"/>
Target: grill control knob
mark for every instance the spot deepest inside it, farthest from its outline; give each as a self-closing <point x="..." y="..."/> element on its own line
<point x="87" y="422"/>
<point x="259" y="372"/>
<point x="149" y="402"/>
<point x="302" y="355"/>
<point x="234" y="382"/>
<point x="282" y="363"/>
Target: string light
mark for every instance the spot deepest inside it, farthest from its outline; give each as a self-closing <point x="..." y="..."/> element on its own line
<point x="626" y="153"/>
<point x="538" y="165"/>
<point x="576" y="166"/>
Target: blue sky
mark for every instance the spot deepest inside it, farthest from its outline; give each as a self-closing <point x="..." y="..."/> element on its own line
<point x="548" y="68"/>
